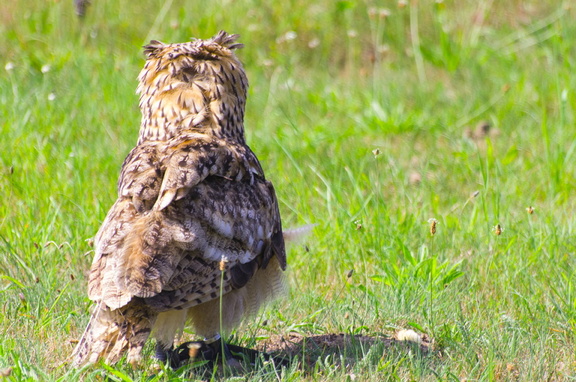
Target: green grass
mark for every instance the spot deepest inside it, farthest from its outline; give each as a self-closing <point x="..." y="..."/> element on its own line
<point x="358" y="76"/>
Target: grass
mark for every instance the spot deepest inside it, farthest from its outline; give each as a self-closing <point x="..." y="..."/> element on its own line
<point x="412" y="79"/>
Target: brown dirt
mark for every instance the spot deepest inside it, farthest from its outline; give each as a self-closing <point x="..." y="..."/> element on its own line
<point x="314" y="347"/>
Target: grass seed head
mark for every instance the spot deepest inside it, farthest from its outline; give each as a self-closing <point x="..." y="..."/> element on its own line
<point x="433" y="223"/>
<point x="498" y="229"/>
<point x="223" y="262"/>
<point x="193" y="350"/>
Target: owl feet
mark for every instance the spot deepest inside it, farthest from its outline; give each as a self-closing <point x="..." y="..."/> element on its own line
<point x="211" y="353"/>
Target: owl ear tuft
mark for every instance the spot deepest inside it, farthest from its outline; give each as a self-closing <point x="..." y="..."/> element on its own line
<point x="152" y="48"/>
<point x="227" y="40"/>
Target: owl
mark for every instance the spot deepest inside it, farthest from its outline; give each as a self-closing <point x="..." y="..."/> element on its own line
<point x="195" y="236"/>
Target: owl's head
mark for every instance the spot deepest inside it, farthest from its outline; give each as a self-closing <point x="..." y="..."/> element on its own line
<point x="198" y="85"/>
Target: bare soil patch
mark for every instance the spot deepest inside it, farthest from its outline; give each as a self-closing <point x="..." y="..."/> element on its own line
<point x="341" y="347"/>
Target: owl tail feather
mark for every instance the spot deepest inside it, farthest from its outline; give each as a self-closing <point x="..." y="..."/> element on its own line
<point x="111" y="333"/>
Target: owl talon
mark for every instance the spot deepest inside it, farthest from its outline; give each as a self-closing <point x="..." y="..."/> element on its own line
<point x="162" y="354"/>
<point x="211" y="353"/>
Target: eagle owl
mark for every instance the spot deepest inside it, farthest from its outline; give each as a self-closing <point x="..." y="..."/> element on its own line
<point x="196" y="225"/>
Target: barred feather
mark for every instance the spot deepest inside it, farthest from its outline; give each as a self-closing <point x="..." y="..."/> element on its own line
<point x="111" y="333"/>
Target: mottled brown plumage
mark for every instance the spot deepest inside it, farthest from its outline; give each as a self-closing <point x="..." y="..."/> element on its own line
<point x="192" y="197"/>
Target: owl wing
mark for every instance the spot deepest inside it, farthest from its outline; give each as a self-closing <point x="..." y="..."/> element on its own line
<point x="102" y="285"/>
<point x="236" y="231"/>
<point x="165" y="172"/>
<point x="210" y="202"/>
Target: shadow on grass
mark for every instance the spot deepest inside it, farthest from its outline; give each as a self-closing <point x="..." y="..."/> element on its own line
<point x="341" y="348"/>
<point x="301" y="355"/>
